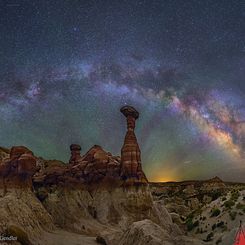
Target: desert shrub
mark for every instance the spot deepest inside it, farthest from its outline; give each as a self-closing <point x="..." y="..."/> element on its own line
<point x="189" y="221"/>
<point x="101" y="240"/>
<point x="190" y="216"/>
<point x="182" y="218"/>
<point x="241" y="206"/>
<point x="215" y="212"/>
<point x="209" y="237"/>
<point x="214" y="226"/>
<point x="233" y="215"/>
<point x="224" y="228"/>
<point x="204" y="218"/>
<point x="189" y="224"/>
<point x="218" y="241"/>
<point x="243" y="209"/>
<point x="197" y="212"/>
<point x="92" y="211"/>
<point x="224" y="198"/>
<point x="196" y="223"/>
<point x="220" y="224"/>
<point x="229" y="204"/>
<point x="215" y="194"/>
<point x="21" y="235"/>
<point x="42" y="194"/>
<point x="235" y="195"/>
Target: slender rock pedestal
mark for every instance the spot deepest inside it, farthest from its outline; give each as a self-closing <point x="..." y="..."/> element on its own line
<point x="131" y="169"/>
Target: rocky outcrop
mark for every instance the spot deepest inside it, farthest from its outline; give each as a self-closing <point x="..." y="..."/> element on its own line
<point x="85" y="209"/>
<point x="4" y="153"/>
<point x="75" y="154"/>
<point x="107" y="212"/>
<point x="18" y="169"/>
<point x="131" y="169"/>
<point x="98" y="166"/>
<point x="95" y="167"/>
<point x="213" y="184"/>
<point x="51" y="172"/>
<point x="19" y="208"/>
<point x="145" y="232"/>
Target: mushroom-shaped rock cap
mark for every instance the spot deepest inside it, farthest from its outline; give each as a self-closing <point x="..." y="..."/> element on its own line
<point x="129" y="111"/>
<point x="75" y="147"/>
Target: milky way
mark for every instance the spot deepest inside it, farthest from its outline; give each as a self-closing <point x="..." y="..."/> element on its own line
<point x="66" y="69"/>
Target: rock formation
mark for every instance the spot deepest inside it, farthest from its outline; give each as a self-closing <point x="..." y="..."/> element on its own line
<point x="75" y="154"/>
<point x="98" y="166"/>
<point x="97" y="194"/>
<point x="4" y="153"/>
<point x="95" y="167"/>
<point x="18" y="169"/>
<point x="131" y="160"/>
<point x="214" y="183"/>
<point x="145" y="232"/>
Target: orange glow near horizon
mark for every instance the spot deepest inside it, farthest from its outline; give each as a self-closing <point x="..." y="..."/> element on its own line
<point x="164" y="179"/>
<point x="164" y="175"/>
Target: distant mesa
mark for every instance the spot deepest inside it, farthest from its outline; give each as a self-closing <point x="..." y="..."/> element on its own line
<point x="216" y="179"/>
<point x="214" y="183"/>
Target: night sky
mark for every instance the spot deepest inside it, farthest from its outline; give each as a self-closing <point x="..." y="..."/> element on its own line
<point x="66" y="68"/>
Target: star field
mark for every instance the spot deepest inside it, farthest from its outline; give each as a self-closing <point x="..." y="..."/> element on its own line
<point x="68" y="66"/>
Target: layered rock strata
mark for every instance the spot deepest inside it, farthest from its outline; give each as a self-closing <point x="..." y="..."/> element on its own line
<point x="95" y="167"/>
<point x="131" y="169"/>
<point x="17" y="170"/>
<point x="98" y="166"/>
